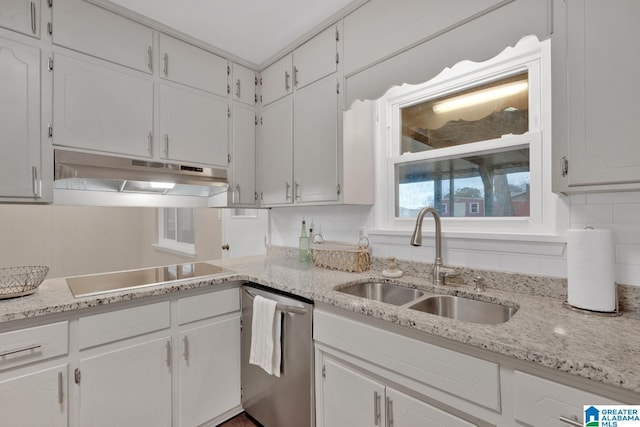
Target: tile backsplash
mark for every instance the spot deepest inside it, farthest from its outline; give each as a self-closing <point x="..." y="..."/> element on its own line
<point x="619" y="212"/>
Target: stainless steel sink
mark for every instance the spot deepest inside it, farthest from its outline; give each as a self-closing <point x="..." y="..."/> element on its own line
<point x="465" y="309"/>
<point x="383" y="292"/>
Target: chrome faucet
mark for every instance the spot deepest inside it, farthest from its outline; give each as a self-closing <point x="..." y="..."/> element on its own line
<point x="439" y="272"/>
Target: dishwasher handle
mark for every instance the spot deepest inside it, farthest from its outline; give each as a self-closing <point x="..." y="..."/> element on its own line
<point x="282" y="307"/>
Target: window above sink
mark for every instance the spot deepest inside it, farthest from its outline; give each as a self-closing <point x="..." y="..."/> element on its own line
<point x="474" y="143"/>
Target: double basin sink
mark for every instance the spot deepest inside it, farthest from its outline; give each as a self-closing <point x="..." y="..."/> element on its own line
<point x="454" y="307"/>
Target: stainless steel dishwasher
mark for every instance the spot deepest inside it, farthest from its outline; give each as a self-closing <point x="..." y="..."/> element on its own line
<point x="287" y="401"/>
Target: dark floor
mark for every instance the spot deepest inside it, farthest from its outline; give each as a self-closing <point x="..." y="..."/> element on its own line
<point x="241" y="420"/>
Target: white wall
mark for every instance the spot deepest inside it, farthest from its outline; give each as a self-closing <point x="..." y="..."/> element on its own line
<point x="619" y="212"/>
<point x="75" y="240"/>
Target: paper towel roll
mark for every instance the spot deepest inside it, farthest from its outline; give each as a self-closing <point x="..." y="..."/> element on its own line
<point x="591" y="270"/>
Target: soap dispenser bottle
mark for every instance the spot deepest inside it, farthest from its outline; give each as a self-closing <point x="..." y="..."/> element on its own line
<point x="303" y="243"/>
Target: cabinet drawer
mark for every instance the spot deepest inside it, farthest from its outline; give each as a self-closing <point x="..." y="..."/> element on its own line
<point x="212" y="304"/>
<point x="540" y="402"/>
<point x="33" y="344"/>
<point x="455" y="373"/>
<point x="116" y="325"/>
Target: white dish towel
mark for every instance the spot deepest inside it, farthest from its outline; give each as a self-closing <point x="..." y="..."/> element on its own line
<point x="265" y="336"/>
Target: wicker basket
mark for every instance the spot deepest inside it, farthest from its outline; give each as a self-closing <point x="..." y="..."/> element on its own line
<point x="19" y="281"/>
<point x="341" y="256"/>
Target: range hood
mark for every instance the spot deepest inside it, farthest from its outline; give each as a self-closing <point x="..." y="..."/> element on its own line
<point x="95" y="172"/>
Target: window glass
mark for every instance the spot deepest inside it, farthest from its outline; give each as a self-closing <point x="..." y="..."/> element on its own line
<point x="482" y="113"/>
<point x="492" y="184"/>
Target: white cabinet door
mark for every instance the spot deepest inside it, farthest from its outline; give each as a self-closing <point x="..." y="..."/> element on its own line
<point x="35" y="399"/>
<point x="315" y="136"/>
<point x="22" y="16"/>
<point x="184" y="63"/>
<point x="194" y="126"/>
<point x="21" y="160"/>
<point x="101" y="107"/>
<point x="380" y="28"/>
<point x="82" y="26"/>
<point x="277" y="80"/>
<point x="127" y="387"/>
<point x="406" y="411"/>
<point x="349" y="398"/>
<point x="276" y="153"/>
<point x="243" y="156"/>
<point x="316" y="58"/>
<point x="209" y="371"/>
<point x="243" y="85"/>
<point x="603" y="59"/>
<point x="540" y="402"/>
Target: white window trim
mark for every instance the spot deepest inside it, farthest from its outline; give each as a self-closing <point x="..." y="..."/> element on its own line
<point x="549" y="214"/>
<point x="171" y="245"/>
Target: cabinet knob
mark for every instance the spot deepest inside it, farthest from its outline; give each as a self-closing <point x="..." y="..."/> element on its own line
<point x="225" y="247"/>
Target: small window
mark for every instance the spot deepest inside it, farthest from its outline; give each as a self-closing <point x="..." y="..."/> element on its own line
<point x="176" y="232"/>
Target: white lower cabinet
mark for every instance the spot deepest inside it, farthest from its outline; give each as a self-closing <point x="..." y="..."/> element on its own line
<point x="128" y="386"/>
<point x="348" y="397"/>
<point x="209" y="382"/>
<point x="351" y="398"/>
<point x="540" y="402"/>
<point x="169" y="363"/>
<point x="35" y="398"/>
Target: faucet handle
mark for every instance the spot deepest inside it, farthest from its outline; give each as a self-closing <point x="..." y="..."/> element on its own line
<point x="480" y="285"/>
<point x="445" y="272"/>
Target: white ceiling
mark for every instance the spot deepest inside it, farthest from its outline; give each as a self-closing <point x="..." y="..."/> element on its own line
<point x="253" y="30"/>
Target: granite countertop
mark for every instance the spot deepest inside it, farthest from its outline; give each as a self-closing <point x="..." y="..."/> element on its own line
<point x="604" y="349"/>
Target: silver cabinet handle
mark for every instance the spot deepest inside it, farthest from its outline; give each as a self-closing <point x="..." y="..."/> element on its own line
<point x="168" y="360"/>
<point x="376" y="408"/>
<point x="33" y="18"/>
<point x="20" y="350"/>
<point x="237" y="191"/>
<point x="238" y="89"/>
<point x="286" y="81"/>
<point x="186" y="348"/>
<point x="60" y="389"/>
<point x="166" y="145"/>
<point x="287" y="186"/>
<point x="295" y="76"/>
<point x="150" y="143"/>
<point x="573" y="421"/>
<point x="296" y="192"/>
<point x="166" y="65"/>
<point x="34" y="180"/>
<point x="389" y="412"/>
<point x="150" y="58"/>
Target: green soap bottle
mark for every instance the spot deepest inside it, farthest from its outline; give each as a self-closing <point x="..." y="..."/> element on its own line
<point x="303" y="243"/>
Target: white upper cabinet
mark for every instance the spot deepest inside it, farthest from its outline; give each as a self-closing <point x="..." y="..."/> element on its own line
<point x="277" y="80"/>
<point x="602" y="146"/>
<point x="184" y="63"/>
<point x="193" y="126"/>
<point x="315" y="130"/>
<point x="316" y="58"/>
<point x="243" y="156"/>
<point x="101" y="107"/>
<point x="22" y="16"/>
<point x="379" y="28"/>
<point x="90" y="29"/>
<point x="243" y="86"/>
<point x="276" y="153"/>
<point x="21" y="162"/>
